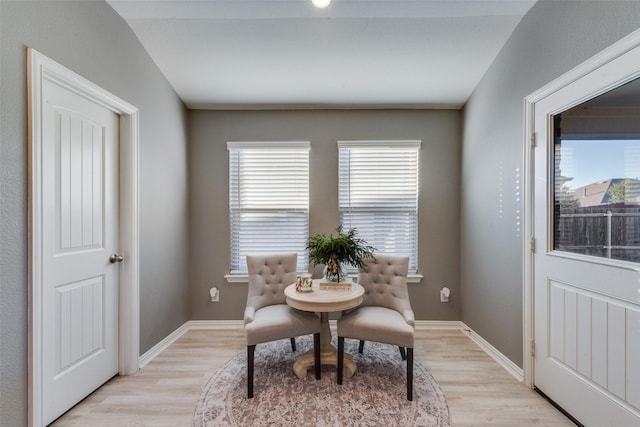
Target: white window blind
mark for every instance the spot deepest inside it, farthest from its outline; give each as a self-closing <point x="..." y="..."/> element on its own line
<point x="268" y="200"/>
<point x="378" y="194"/>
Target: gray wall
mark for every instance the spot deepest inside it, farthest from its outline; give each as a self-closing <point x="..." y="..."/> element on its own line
<point x="551" y="39"/>
<point x="438" y="199"/>
<point x="92" y="40"/>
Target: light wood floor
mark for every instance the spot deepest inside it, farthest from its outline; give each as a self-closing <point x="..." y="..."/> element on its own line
<point x="164" y="393"/>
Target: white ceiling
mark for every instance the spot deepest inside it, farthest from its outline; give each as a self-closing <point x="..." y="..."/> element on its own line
<point x="227" y="54"/>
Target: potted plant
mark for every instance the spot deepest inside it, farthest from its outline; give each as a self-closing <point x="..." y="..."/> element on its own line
<point x="336" y="252"/>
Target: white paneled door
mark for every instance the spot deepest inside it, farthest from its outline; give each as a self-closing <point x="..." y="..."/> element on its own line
<point x="586" y="265"/>
<point x="80" y="284"/>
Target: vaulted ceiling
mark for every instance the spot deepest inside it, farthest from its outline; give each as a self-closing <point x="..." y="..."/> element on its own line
<point x="226" y="54"/>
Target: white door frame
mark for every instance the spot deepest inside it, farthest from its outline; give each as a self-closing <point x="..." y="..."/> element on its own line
<point x="613" y="52"/>
<point x="40" y="68"/>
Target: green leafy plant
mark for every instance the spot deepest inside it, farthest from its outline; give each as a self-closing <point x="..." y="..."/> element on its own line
<point x="344" y="248"/>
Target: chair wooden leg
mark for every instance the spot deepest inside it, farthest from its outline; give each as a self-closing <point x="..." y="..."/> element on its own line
<point x="340" y="358"/>
<point x="250" y="352"/>
<point x="293" y="344"/>
<point x="409" y="373"/>
<point x="316" y="354"/>
<point x="361" y="346"/>
<point x="403" y="354"/>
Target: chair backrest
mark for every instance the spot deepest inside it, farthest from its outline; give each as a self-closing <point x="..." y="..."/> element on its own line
<point x="269" y="275"/>
<point x="384" y="279"/>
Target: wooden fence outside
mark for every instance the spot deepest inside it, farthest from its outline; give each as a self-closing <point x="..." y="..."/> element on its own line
<point x="608" y="231"/>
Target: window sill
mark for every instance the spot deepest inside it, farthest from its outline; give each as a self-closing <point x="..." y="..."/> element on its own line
<point x="236" y="278"/>
<point x="241" y="278"/>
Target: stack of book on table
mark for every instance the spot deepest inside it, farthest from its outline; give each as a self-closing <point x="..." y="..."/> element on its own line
<point x="335" y="286"/>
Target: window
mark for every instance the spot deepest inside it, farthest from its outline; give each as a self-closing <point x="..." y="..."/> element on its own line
<point x="596" y="177"/>
<point x="597" y="196"/>
<point x="378" y="194"/>
<point x="268" y="200"/>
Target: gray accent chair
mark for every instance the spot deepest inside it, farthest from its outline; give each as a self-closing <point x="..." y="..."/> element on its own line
<point x="267" y="317"/>
<point x="385" y="314"/>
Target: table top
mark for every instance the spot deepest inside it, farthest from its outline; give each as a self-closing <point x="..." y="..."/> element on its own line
<point x="324" y="300"/>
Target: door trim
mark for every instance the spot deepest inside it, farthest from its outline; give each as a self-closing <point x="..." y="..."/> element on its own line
<point x="606" y="56"/>
<point x="39" y="69"/>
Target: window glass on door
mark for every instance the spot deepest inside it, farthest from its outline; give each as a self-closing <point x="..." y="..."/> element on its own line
<point x="597" y="178"/>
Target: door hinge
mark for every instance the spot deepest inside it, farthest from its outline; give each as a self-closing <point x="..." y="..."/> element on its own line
<point x="533" y="348"/>
<point x="533" y="140"/>
<point x="533" y="245"/>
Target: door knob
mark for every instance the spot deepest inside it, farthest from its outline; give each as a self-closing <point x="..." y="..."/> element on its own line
<point x="115" y="258"/>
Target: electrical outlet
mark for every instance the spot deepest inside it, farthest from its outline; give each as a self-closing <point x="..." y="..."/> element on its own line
<point x="215" y="294"/>
<point x="444" y="294"/>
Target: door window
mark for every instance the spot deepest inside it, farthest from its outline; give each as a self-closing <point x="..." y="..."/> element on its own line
<point x="597" y="178"/>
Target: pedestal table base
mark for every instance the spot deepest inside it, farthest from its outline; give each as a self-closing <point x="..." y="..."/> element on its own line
<point x="328" y="353"/>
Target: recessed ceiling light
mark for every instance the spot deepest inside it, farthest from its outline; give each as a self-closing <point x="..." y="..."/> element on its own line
<point x="321" y="4"/>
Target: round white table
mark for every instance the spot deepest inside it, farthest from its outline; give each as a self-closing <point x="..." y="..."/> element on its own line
<point x="324" y="302"/>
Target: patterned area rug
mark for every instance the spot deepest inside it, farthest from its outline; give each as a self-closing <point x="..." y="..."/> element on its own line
<point x="375" y="396"/>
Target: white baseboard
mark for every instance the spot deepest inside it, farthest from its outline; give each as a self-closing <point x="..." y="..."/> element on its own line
<point x="149" y="355"/>
<point x="216" y="324"/>
<point x="187" y="326"/>
<point x="439" y="324"/>
<point x="496" y="355"/>
<point x="424" y="325"/>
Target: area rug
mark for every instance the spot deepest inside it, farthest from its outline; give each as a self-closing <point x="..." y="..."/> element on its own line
<point x="374" y="396"/>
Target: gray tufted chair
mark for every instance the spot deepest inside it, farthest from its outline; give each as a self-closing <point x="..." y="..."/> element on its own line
<point x="385" y="314"/>
<point x="267" y="317"/>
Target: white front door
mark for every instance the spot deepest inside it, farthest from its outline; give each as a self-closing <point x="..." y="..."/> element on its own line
<point x="587" y="256"/>
<point x="80" y="286"/>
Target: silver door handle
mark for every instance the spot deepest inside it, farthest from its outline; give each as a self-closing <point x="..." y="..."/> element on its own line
<point x="116" y="258"/>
